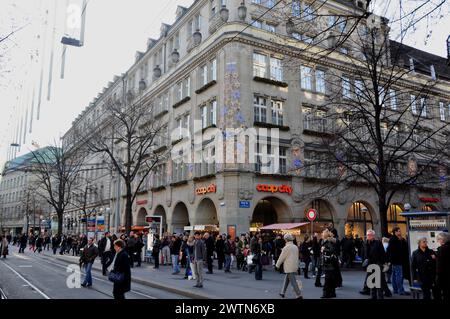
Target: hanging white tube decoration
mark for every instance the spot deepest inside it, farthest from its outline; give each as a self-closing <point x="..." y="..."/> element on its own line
<point x="41" y="80"/>
<point x="32" y="110"/>
<point x="52" y="43"/>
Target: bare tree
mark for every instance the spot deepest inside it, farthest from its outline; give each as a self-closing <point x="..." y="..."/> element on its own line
<point x="56" y="170"/>
<point x="127" y="137"/>
<point x="376" y="127"/>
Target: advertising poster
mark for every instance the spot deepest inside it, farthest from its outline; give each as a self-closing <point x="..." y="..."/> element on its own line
<point x="91" y="224"/>
<point x="100" y="226"/>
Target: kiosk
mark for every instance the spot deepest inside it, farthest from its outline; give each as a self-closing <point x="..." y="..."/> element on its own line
<point x="424" y="224"/>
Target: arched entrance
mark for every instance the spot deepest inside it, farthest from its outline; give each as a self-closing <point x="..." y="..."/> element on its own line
<point x="140" y="219"/>
<point x="206" y="213"/>
<point x="270" y="210"/>
<point x="160" y="211"/>
<point x="395" y="219"/>
<point x="359" y="219"/>
<point x="180" y="218"/>
<point x="324" y="214"/>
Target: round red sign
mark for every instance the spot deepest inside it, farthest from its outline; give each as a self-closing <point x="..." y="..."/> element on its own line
<point x="311" y="214"/>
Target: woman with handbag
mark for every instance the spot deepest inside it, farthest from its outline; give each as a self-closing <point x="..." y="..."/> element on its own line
<point x="121" y="272"/>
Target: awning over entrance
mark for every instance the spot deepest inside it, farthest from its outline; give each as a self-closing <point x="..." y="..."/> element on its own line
<point x="284" y="226"/>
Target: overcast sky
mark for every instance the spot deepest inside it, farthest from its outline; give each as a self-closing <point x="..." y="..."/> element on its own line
<point x="115" y="30"/>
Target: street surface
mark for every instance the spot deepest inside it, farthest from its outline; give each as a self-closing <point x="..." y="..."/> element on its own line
<point x="34" y="276"/>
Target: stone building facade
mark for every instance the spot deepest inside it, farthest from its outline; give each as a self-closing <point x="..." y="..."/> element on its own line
<point x="219" y="68"/>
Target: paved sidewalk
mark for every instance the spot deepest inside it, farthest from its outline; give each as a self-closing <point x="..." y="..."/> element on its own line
<point x="235" y="285"/>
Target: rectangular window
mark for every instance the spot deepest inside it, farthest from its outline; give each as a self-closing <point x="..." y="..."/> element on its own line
<point x="306" y="77"/>
<point x="320" y="81"/>
<point x="346" y="93"/>
<point x="204" y="115"/>
<point x="423" y="107"/>
<point x="413" y="104"/>
<point x="204" y="75"/>
<point x="269" y="27"/>
<point x="296" y="8"/>
<point x="259" y="65"/>
<point x="213" y="112"/>
<point x="180" y="91"/>
<point x="359" y="89"/>
<point x="187" y="87"/>
<point x="276" y="69"/>
<point x="214" y="70"/>
<point x="260" y="109"/>
<point x="393" y="97"/>
<point x="277" y="112"/>
<point x="257" y="24"/>
<point x="442" y="111"/>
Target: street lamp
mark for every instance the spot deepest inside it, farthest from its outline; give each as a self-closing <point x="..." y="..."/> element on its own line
<point x="364" y="210"/>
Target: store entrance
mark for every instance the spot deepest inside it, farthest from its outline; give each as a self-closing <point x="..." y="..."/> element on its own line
<point x="269" y="210"/>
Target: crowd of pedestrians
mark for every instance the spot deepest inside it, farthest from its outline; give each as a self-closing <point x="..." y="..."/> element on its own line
<point x="320" y="256"/>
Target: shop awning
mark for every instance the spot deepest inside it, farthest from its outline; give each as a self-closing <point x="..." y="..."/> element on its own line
<point x="284" y="226"/>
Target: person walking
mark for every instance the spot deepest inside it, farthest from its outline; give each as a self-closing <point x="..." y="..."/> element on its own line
<point x="374" y="254"/>
<point x="397" y="253"/>
<point x="257" y="259"/>
<point x="23" y="243"/>
<point x="90" y="252"/>
<point x="220" y="250"/>
<point x="155" y="250"/>
<point x="122" y="269"/>
<point x="165" y="249"/>
<point x="278" y="244"/>
<point x="289" y="258"/>
<point x="228" y="251"/>
<point x="187" y="249"/>
<point x="39" y="244"/>
<point x="305" y="254"/>
<point x="199" y="259"/>
<point x="316" y="260"/>
<point x="209" y="242"/>
<point x="106" y="252"/>
<point x="424" y="268"/>
<point x="175" y="247"/>
<point x="3" y="246"/>
<point x="131" y="248"/>
<point x="138" y="249"/>
<point x="32" y="241"/>
<point x="329" y="256"/>
<point x="348" y="251"/>
<point x="239" y="242"/>
<point x="443" y="266"/>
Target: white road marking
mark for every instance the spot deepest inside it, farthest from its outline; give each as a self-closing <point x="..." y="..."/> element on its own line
<point x="20" y="256"/>
<point x="97" y="278"/>
<point x="29" y="283"/>
<point x="25" y="266"/>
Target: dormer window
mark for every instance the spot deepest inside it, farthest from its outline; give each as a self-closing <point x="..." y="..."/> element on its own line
<point x="411" y="64"/>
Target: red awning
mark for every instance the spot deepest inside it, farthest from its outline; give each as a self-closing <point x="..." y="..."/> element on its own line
<point x="284" y="226"/>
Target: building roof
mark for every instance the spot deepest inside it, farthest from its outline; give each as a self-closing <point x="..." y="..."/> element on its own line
<point x="23" y="161"/>
<point x="422" y="60"/>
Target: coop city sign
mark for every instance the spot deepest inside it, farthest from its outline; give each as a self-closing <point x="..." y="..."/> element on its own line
<point x="274" y="188"/>
<point x="204" y="190"/>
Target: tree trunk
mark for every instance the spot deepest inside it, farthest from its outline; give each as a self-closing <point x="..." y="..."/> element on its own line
<point x="383" y="208"/>
<point x="128" y="209"/>
<point x="60" y="222"/>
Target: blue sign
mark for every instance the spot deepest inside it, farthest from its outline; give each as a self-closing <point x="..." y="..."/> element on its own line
<point x="244" y="204"/>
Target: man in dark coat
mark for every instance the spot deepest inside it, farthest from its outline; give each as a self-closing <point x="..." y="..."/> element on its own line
<point x="121" y="265"/>
<point x="90" y="252"/>
<point x="106" y="252"/>
<point x="131" y="248"/>
<point x="424" y="268"/>
<point x="374" y="254"/>
<point x="398" y="256"/>
<point x="348" y="250"/>
<point x="209" y="242"/>
<point x="23" y="243"/>
<point x="443" y="265"/>
<point x="220" y="248"/>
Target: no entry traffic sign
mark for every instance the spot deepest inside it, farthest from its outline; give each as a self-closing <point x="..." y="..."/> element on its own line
<point x="311" y="214"/>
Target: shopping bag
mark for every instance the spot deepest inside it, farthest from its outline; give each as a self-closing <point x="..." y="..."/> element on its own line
<point x="250" y="259"/>
<point x="299" y="282"/>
